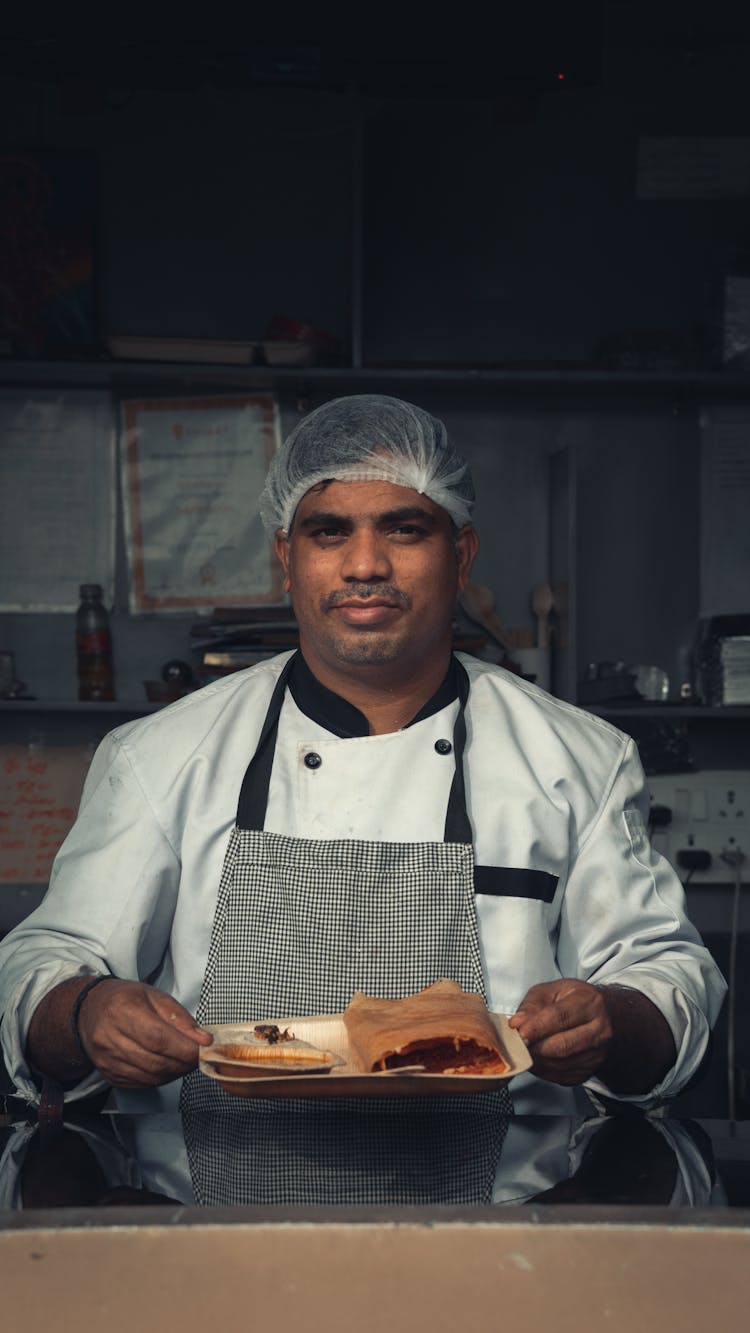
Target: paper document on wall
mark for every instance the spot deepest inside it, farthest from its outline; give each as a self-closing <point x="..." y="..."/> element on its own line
<point x="40" y="790"/>
<point x="57" y="498"/>
<point x="725" y="511"/>
<point x="193" y="470"/>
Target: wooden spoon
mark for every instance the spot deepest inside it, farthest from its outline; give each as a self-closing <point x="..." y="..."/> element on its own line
<point x="478" y="602"/>
<point x="541" y="605"/>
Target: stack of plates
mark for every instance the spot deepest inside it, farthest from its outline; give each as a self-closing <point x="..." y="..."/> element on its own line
<point x="723" y="660"/>
<point x="734" y="657"/>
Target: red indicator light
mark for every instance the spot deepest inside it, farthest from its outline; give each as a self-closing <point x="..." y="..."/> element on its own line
<point x="560" y="78"/>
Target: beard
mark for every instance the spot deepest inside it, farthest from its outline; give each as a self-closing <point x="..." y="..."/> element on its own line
<point x="363" y="647"/>
<point x="357" y="645"/>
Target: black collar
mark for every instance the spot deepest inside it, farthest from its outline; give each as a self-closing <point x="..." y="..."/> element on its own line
<point x="329" y="710"/>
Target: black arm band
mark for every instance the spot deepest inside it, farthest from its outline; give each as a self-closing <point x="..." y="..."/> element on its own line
<point x="75" y="1012"/>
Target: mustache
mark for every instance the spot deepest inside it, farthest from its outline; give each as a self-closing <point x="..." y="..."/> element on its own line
<point x="360" y="592"/>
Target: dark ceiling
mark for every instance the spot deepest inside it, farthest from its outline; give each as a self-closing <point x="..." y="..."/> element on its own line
<point x="522" y="47"/>
<point x="478" y="63"/>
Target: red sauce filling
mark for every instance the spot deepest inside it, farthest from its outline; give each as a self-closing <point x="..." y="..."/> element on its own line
<point x="443" y="1056"/>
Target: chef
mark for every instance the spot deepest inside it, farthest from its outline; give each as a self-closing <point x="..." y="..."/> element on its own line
<point x="369" y="813"/>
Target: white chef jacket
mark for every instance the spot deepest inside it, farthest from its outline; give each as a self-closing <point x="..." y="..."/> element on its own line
<point x="549" y="788"/>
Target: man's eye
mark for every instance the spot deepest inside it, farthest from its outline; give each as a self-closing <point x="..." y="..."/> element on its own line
<point x="327" y="533"/>
<point x="410" y="530"/>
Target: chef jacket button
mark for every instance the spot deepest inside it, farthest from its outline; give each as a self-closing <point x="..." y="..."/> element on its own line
<point x="312" y="760"/>
<point x="443" y="747"/>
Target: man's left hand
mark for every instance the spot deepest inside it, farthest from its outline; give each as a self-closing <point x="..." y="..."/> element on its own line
<point x="575" y="1030"/>
<point x="567" y="1028"/>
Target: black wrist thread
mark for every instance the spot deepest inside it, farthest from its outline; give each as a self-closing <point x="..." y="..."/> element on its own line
<point x="75" y="1012"/>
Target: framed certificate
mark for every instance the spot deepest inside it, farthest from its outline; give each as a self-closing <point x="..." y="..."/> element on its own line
<point x="192" y="472"/>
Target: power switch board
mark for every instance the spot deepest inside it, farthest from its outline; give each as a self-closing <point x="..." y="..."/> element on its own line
<point x="695" y="817"/>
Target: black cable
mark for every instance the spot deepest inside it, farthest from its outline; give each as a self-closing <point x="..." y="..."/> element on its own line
<point x="734" y="859"/>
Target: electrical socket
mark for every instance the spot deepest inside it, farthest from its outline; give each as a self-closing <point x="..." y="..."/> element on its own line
<point x="710" y="812"/>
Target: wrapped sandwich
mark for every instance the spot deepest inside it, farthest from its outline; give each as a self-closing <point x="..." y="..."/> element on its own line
<point x="442" y="1029"/>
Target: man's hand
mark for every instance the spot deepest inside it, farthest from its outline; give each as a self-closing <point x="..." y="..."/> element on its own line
<point x="575" y="1030"/>
<point x="567" y="1029"/>
<point x="138" y="1036"/>
<point x="135" y="1035"/>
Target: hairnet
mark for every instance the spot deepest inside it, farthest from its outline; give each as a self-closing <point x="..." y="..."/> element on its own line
<point x="367" y="437"/>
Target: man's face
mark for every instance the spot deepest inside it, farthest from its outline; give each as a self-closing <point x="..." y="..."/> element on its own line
<point x="373" y="570"/>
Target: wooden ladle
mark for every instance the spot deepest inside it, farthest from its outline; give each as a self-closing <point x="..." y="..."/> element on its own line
<point x="478" y="601"/>
<point x="541" y="605"/>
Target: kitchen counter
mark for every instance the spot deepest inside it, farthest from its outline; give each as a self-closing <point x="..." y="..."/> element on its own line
<point x="418" y="1212"/>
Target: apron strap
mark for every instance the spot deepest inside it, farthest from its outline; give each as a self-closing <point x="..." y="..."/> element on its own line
<point x="253" y="802"/>
<point x="457" y="825"/>
<point x="251" y="807"/>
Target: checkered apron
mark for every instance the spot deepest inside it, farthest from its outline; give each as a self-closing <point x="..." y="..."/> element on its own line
<point x="347" y="1151"/>
<point x="300" y="925"/>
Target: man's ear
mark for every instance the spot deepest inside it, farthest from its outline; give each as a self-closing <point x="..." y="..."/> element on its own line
<point x="281" y="547"/>
<point x="467" y="545"/>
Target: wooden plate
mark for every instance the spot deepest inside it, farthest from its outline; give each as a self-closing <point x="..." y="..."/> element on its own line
<point x="328" y="1032"/>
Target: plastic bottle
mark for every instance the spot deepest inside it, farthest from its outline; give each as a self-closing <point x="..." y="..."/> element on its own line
<point x="94" y="646"/>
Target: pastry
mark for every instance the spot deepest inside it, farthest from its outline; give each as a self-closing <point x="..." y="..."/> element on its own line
<point x="442" y="1029"/>
<point x="265" y="1051"/>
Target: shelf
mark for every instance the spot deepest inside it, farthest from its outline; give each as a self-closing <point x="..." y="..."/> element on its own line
<point x="675" y="712"/>
<point x="135" y="376"/>
<point x="77" y="706"/>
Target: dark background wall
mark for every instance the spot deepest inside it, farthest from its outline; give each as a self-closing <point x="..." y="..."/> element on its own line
<point x="441" y="200"/>
<point x="501" y="217"/>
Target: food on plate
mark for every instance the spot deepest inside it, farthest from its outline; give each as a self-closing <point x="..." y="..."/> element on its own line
<point x="443" y="1029"/>
<point x="264" y="1051"/>
<point x="271" y="1032"/>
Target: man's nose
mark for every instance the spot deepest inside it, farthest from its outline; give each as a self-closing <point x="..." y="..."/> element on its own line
<point x="366" y="557"/>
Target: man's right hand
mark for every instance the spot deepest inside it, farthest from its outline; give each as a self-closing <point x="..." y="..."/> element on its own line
<point x="134" y="1035"/>
<point x="138" y="1036"/>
